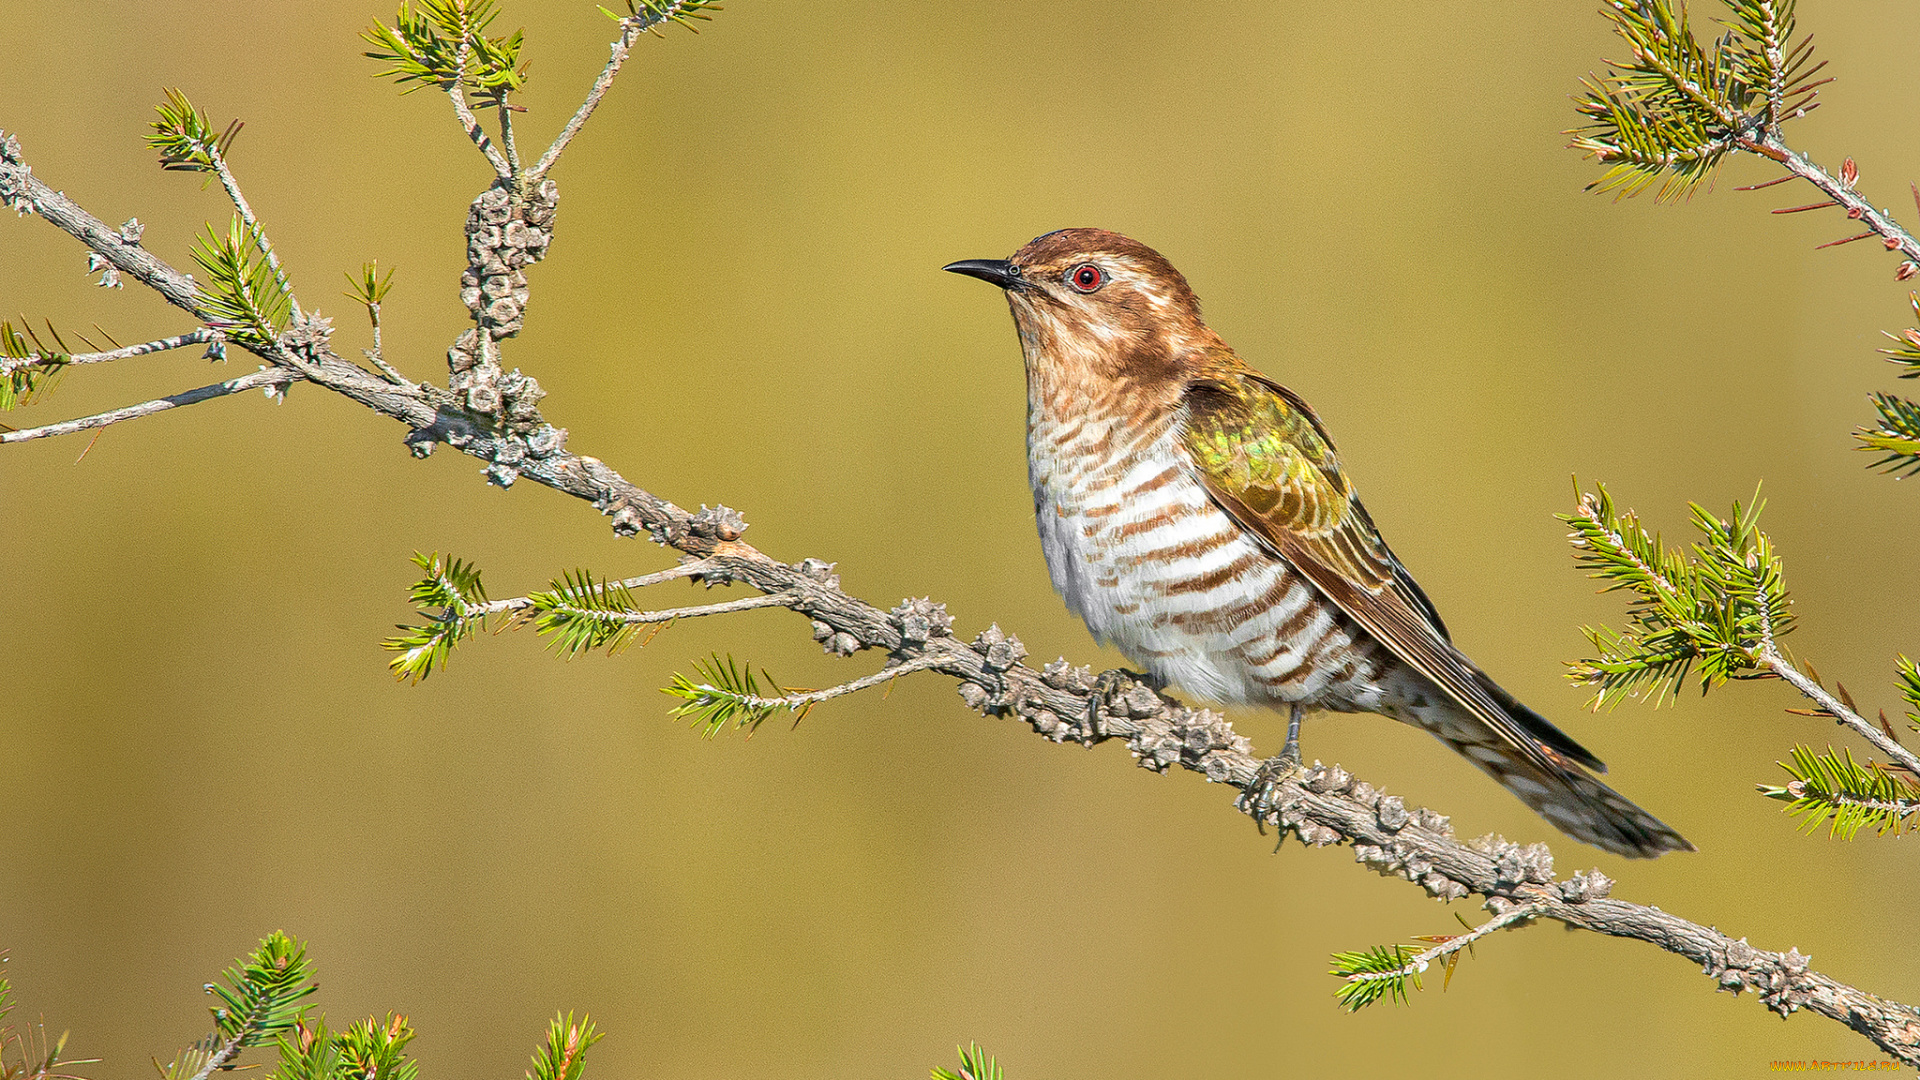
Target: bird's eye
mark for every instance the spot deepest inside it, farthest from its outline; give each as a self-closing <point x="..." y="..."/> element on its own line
<point x="1086" y="277"/>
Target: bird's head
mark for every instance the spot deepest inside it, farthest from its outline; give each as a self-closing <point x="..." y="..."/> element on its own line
<point x="1097" y="301"/>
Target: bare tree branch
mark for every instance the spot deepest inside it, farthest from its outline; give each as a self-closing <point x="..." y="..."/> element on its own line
<point x="631" y="28"/>
<point x="180" y="341"/>
<point x="1770" y="145"/>
<point x="256" y="380"/>
<point x="1842" y="715"/>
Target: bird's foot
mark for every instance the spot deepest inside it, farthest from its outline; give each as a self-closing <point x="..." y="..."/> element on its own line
<point x="1261" y="797"/>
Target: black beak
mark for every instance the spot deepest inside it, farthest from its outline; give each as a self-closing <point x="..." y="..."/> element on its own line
<point x="998" y="271"/>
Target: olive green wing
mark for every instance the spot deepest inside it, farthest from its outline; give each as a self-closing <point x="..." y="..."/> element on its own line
<point x="1263" y="456"/>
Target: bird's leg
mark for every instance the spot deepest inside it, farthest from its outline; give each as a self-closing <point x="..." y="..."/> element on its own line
<point x="1259" y="797"/>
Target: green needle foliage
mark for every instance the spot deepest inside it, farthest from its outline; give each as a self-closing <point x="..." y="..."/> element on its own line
<point x="655" y="12"/>
<point x="263" y="993"/>
<point x="242" y="295"/>
<point x="186" y="140"/>
<point x="370" y="287"/>
<point x="1897" y="437"/>
<point x="29" y="371"/>
<point x="453" y="587"/>
<point x="1719" y="611"/>
<point x="1909" y="689"/>
<point x="28" y="1055"/>
<point x="727" y="693"/>
<point x="443" y="43"/>
<point x="564" y="1055"/>
<point x="583" y="615"/>
<point x="1676" y="106"/>
<point x="261" y="1000"/>
<point x="1379" y="972"/>
<point x="974" y="1065"/>
<point x="1846" y="795"/>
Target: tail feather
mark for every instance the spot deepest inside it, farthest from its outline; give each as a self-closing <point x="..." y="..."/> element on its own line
<point x="1560" y="790"/>
<point x="1574" y="801"/>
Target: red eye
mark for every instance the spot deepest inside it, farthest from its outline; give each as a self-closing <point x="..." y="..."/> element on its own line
<point x="1087" y="277"/>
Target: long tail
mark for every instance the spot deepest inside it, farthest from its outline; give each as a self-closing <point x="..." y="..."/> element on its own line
<point x="1565" y="794"/>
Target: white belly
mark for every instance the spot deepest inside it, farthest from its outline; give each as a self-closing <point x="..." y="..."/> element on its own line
<point x="1144" y="556"/>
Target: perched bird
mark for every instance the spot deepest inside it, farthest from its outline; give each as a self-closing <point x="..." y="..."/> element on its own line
<point x="1194" y="514"/>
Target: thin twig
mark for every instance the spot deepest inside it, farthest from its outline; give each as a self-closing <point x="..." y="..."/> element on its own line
<point x="221" y="1058"/>
<point x="377" y="355"/>
<point x="810" y="698"/>
<point x="253" y="225"/>
<point x="456" y="92"/>
<point x="631" y="28"/>
<point x="690" y="568"/>
<point x="745" y="603"/>
<point x="506" y="133"/>
<point x="1841" y="714"/>
<point x="1419" y="962"/>
<point x="265" y="377"/>
<point x="181" y="341"/>
<point x="1770" y="145"/>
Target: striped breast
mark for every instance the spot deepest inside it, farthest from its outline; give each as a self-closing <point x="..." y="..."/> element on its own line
<point x="1144" y="556"/>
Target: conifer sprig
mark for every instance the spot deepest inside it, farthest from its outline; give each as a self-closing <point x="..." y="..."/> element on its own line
<point x="444" y="43"/>
<point x="26" y="371"/>
<point x="1389" y="971"/>
<point x="649" y="14"/>
<point x="974" y="1065"/>
<point x="1896" y="438"/>
<point x="564" y="1055"/>
<point x="30" y="1054"/>
<point x="1383" y="971"/>
<point x="260" y="1000"/>
<point x="727" y="693"/>
<point x="1676" y="106"/>
<point x="582" y="614"/>
<point x="375" y="1050"/>
<point x="1846" y="795"/>
<point x="453" y="588"/>
<point x="186" y="140"/>
<point x="730" y="693"/>
<point x="243" y="296"/>
<point x="1718" y="612"/>
<point x="1909" y="674"/>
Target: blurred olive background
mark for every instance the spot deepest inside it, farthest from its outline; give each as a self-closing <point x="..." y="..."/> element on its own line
<point x="744" y="304"/>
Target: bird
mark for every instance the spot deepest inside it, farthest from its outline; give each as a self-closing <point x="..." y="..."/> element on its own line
<point x="1193" y="512"/>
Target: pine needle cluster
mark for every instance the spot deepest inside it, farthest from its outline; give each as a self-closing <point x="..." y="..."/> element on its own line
<point x="1897" y="436"/>
<point x="974" y="1065"/>
<point x="1717" y="611"/>
<point x="243" y="295"/>
<point x="729" y="693"/>
<point x="454" y="604"/>
<point x="1833" y="789"/>
<point x="26" y="371"/>
<point x="1676" y="106"/>
<point x="444" y="43"/>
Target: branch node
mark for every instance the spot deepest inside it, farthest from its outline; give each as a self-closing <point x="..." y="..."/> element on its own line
<point x="1002" y="650"/>
<point x="922" y="619"/>
<point x="1391" y="812"/>
<point x="717" y="523"/>
<point x="1580" y="888"/>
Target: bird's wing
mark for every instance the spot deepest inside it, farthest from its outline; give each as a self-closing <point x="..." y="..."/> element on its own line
<point x="1263" y="456"/>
